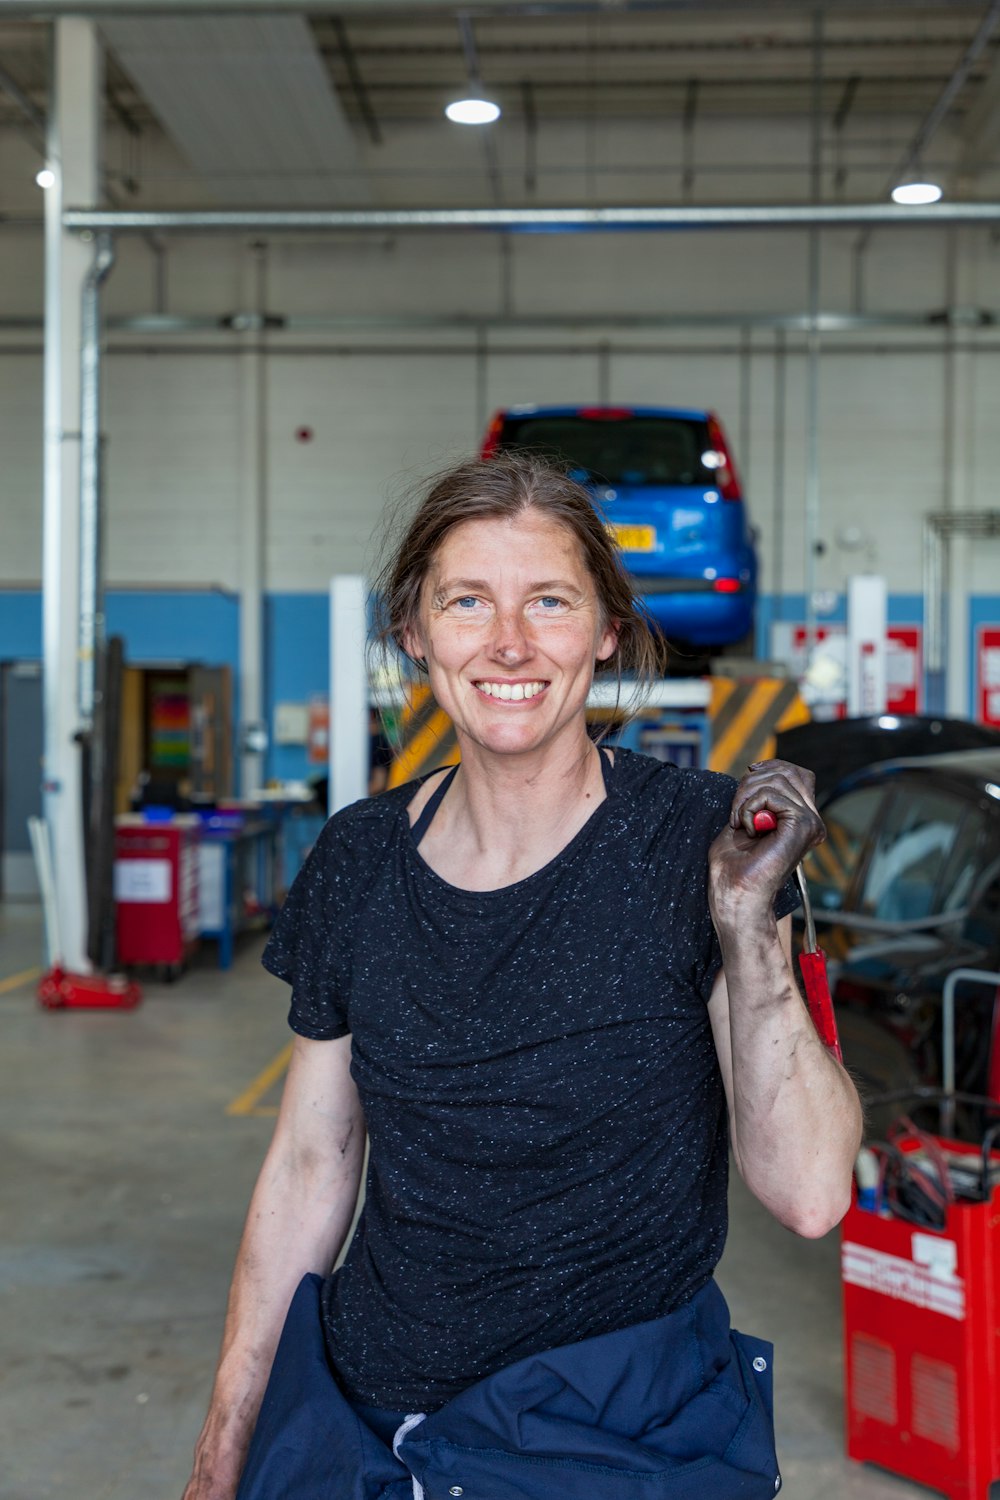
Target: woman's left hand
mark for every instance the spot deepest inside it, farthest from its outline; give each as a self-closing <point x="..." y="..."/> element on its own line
<point x="747" y="868"/>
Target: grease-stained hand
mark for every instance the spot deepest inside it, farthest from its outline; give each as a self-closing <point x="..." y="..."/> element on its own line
<point x="747" y="868"/>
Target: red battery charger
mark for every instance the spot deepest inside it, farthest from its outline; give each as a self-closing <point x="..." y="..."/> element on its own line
<point x="922" y="1340"/>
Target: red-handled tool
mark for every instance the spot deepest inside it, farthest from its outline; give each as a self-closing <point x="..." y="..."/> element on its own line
<point x="812" y="959"/>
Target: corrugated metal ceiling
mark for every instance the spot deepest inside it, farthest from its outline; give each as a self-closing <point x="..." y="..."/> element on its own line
<point x="249" y="101"/>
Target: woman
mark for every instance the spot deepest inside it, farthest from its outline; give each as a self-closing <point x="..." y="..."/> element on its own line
<point x="542" y="982"/>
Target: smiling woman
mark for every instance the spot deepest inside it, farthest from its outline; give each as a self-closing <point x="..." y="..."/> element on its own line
<point x="508" y="488"/>
<point x="510" y="975"/>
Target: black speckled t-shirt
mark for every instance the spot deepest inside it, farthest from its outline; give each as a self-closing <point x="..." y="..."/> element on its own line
<point x="547" y="1125"/>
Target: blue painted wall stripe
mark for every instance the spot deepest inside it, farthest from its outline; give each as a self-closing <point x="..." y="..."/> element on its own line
<point x="192" y="625"/>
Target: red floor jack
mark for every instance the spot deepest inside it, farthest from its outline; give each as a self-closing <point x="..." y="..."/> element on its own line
<point x="812" y="959"/>
<point x="58" y="989"/>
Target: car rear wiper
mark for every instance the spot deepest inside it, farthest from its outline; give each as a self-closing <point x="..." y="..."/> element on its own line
<point x="913" y="942"/>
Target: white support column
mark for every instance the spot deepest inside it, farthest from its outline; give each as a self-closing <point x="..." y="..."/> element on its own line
<point x="866" y="650"/>
<point x="74" y="153"/>
<point x="348" y="692"/>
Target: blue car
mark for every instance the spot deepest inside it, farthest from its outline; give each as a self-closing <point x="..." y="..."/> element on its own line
<point x="665" y="482"/>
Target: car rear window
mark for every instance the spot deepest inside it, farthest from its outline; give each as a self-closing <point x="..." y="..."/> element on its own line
<point x="639" y="450"/>
<point x="830" y="867"/>
<point x="913" y="844"/>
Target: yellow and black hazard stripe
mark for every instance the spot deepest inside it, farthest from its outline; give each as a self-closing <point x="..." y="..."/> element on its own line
<point x="745" y="715"/>
<point x="425" y="737"/>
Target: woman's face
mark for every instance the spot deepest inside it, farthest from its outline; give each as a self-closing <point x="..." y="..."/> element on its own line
<point x="510" y="628"/>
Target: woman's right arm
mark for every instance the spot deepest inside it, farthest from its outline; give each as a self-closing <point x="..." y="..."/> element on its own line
<point x="300" y="1213"/>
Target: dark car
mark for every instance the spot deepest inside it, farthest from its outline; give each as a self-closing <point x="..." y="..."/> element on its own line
<point x="832" y="750"/>
<point x="905" y="890"/>
<point x="665" y="482"/>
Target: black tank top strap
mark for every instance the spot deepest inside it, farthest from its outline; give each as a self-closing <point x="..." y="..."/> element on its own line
<point x="431" y="806"/>
<point x="434" y="801"/>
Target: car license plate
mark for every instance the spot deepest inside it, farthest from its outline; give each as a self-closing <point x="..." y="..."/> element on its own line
<point x="634" y="538"/>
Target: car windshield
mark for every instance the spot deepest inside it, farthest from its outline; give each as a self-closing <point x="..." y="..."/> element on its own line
<point x="638" y="450"/>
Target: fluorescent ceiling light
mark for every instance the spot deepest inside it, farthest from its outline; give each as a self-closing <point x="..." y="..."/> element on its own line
<point x="916" y="193"/>
<point x="473" y="111"/>
<point x="45" y="177"/>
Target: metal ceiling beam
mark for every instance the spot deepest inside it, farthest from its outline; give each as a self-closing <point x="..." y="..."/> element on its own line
<point x="387" y="8"/>
<point x="980" y="130"/>
<point x="948" y="95"/>
<point x="354" y="78"/>
<point x="805" y="216"/>
<point x="27" y="106"/>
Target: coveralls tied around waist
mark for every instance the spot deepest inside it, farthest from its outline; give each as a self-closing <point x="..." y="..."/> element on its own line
<point x="679" y="1408"/>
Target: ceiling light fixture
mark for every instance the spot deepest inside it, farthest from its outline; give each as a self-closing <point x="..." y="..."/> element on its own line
<point x="916" y="193"/>
<point x="473" y="111"/>
<point x="475" y="108"/>
<point x="45" y="177"/>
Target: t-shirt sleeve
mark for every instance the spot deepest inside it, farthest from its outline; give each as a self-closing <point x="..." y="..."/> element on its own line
<point x="718" y="799"/>
<point x="305" y="945"/>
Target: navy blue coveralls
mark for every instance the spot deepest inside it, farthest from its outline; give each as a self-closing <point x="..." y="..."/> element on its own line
<point x="679" y="1408"/>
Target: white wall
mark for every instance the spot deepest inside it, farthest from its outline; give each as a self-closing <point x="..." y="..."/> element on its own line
<point x="389" y="402"/>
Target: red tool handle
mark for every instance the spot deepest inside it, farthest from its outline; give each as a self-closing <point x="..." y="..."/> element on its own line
<point x="817" y="988"/>
<point x="812" y="960"/>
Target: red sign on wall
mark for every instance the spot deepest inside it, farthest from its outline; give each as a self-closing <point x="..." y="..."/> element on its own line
<point x="903" y="668"/>
<point x="318" y="733"/>
<point x="988" y="675"/>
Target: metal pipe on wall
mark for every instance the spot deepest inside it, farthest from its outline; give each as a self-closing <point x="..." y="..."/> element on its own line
<point x="778" y="483"/>
<point x="91" y="629"/>
<point x="812" y="497"/>
<point x="946" y="662"/>
<point x="253" y="522"/>
<point x="243" y="323"/>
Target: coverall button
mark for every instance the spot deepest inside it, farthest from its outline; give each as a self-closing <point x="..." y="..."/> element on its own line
<point x="456" y="1489"/>
<point x="760" y="1364"/>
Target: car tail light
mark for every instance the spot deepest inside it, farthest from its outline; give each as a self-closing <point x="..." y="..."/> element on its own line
<point x="725" y="478"/>
<point x="727" y="585"/>
<point x="491" y="442"/>
<point x="604" y="413"/>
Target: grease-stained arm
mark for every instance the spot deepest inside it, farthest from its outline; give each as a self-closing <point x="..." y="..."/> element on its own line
<point x="794" y="1114"/>
<point x="299" y="1216"/>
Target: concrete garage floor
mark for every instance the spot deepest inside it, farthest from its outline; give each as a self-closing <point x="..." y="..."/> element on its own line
<point x="123" y="1184"/>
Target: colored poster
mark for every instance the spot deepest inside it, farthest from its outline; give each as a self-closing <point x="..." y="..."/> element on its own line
<point x="169" y="724"/>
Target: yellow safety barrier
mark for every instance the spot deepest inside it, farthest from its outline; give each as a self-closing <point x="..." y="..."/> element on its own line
<point x="425" y="737"/>
<point x="745" y="714"/>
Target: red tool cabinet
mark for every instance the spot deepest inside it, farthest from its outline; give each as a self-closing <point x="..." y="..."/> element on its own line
<point x="156" y="891"/>
<point x="921" y="1336"/>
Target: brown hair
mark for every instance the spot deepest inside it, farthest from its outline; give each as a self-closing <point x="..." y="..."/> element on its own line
<point x="505" y="487"/>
